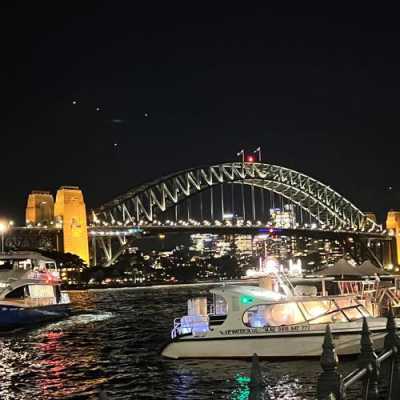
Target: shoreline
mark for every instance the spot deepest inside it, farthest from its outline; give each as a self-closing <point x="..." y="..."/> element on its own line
<point x="166" y="286"/>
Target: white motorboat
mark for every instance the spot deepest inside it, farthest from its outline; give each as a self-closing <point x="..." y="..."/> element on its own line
<point x="244" y="320"/>
<point x="29" y="290"/>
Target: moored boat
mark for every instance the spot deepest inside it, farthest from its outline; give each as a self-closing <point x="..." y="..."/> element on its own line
<point x="29" y="290"/>
<point x="244" y="320"/>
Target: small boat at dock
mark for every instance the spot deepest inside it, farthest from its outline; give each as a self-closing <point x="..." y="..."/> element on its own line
<point x="242" y="320"/>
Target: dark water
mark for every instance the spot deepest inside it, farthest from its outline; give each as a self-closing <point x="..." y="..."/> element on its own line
<point x="114" y="339"/>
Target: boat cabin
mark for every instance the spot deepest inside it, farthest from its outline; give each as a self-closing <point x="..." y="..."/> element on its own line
<point x="26" y="261"/>
<point x="256" y="307"/>
<point x="28" y="278"/>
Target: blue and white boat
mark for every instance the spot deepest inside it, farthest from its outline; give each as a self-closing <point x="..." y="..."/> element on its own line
<point x="30" y="290"/>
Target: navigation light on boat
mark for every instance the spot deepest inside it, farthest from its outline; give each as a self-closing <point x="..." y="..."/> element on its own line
<point x="246" y="299"/>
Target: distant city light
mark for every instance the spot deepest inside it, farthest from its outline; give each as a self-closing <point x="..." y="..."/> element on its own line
<point x="271" y="266"/>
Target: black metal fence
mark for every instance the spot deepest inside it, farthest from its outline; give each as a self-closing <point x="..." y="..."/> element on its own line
<point x="379" y="375"/>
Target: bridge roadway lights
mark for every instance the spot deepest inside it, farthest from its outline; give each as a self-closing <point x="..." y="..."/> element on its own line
<point x="375" y="245"/>
<point x="360" y="241"/>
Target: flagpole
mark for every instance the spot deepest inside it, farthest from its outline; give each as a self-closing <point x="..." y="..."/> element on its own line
<point x="242" y="153"/>
<point x="258" y="151"/>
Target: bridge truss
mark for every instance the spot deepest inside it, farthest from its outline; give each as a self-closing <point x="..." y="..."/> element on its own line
<point x="145" y="205"/>
<point x="323" y="204"/>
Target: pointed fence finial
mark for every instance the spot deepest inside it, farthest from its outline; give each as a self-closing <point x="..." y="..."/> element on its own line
<point x="391" y="323"/>
<point x="391" y="338"/>
<point x="390" y="369"/>
<point x="329" y="381"/>
<point x="329" y="359"/>
<point x="367" y="347"/>
<point x="368" y="359"/>
<point x="256" y="380"/>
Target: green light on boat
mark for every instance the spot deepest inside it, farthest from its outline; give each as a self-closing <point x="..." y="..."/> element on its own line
<point x="246" y="299"/>
<point x="242" y="379"/>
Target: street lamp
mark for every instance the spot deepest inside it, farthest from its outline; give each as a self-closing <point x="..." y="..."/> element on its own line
<point x="3" y="229"/>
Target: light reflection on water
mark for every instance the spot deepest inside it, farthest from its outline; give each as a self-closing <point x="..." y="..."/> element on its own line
<point x="113" y="341"/>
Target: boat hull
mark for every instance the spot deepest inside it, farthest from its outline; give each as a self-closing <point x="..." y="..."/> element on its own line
<point x="267" y="346"/>
<point x="21" y="317"/>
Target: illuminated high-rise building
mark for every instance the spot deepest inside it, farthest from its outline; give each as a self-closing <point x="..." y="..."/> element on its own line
<point x="70" y="211"/>
<point x="244" y="244"/>
<point x="285" y="218"/>
<point x="39" y="208"/>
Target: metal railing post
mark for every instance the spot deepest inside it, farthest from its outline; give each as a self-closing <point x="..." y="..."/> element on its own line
<point x="256" y="380"/>
<point x="330" y="381"/>
<point x="369" y="360"/>
<point x="392" y="342"/>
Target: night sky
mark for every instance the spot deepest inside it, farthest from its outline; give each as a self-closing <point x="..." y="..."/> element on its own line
<point x="190" y="84"/>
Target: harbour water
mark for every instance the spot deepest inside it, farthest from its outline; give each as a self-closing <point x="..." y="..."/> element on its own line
<point x="111" y="343"/>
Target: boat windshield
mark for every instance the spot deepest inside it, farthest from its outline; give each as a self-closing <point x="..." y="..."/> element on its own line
<point x="313" y="312"/>
<point x="6" y="265"/>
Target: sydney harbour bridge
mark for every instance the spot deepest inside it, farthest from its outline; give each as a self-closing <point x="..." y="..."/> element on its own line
<point x="197" y="200"/>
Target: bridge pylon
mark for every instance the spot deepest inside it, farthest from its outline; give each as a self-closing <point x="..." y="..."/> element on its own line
<point x="70" y="210"/>
<point x="393" y="226"/>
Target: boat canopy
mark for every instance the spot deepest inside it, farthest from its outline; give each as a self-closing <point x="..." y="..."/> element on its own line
<point x="369" y="269"/>
<point x="341" y="268"/>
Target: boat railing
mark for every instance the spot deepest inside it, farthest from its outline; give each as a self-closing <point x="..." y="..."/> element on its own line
<point x="196" y="325"/>
<point x="177" y="325"/>
<point x="284" y="283"/>
<point x="44" y="276"/>
<point x="36" y="275"/>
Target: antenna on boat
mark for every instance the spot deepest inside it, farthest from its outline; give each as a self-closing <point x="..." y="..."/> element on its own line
<point x="285" y="283"/>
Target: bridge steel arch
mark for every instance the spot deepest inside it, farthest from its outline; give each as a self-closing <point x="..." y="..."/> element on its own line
<point x="319" y="200"/>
